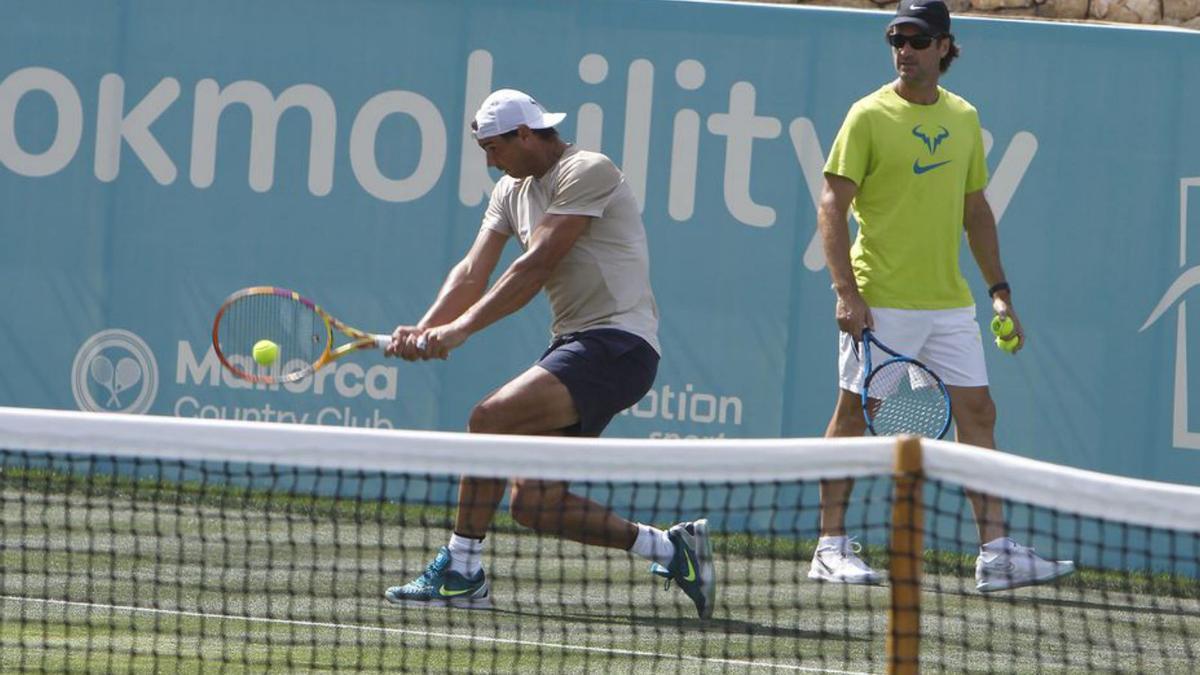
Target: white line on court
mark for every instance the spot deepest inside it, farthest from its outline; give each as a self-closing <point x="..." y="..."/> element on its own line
<point x="409" y="631"/>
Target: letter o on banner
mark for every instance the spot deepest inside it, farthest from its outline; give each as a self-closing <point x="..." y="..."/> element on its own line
<point x="433" y="146"/>
<point x="66" y="136"/>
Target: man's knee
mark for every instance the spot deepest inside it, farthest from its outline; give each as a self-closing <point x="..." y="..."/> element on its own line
<point x="486" y="418"/>
<point x="532" y="505"/>
<point x="523" y="509"/>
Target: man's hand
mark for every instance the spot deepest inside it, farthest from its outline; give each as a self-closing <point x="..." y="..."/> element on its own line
<point x="404" y="343"/>
<point x="853" y="314"/>
<point x="1002" y="307"/>
<point x="437" y="342"/>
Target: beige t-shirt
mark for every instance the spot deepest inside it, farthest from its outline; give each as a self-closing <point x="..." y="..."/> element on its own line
<point x="604" y="280"/>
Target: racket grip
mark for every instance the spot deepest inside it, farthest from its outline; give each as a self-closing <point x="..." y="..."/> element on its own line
<point x="382" y="341"/>
<point x="422" y="343"/>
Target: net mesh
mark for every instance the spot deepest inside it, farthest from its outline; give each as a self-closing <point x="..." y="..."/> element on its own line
<point x="1133" y="605"/>
<point x="154" y="544"/>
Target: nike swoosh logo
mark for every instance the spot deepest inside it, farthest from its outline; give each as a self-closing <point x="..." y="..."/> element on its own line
<point x="918" y="169"/>
<point x="691" y="573"/>
<point x="443" y="591"/>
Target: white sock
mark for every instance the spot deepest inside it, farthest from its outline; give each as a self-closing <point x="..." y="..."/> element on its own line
<point x="653" y="544"/>
<point x="466" y="555"/>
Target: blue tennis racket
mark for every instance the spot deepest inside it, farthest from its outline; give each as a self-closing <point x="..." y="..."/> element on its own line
<point x="902" y="395"/>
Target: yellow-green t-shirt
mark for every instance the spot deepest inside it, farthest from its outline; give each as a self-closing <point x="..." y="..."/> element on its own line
<point x="913" y="165"/>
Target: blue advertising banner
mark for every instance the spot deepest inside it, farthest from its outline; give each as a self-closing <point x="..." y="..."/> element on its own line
<point x="155" y="157"/>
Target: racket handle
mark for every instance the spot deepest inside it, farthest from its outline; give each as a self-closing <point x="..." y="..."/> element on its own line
<point x="422" y="343"/>
<point x="382" y="341"/>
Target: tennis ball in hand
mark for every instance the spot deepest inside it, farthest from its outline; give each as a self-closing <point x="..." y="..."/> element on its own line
<point x="1009" y="345"/>
<point x="1001" y="326"/>
<point x="265" y="352"/>
<point x="1004" y="326"/>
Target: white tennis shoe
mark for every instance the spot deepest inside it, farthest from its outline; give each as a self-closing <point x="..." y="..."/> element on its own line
<point x="836" y="561"/>
<point x="1003" y="564"/>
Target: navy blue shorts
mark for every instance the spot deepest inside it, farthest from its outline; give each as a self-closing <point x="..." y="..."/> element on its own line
<point x="606" y="370"/>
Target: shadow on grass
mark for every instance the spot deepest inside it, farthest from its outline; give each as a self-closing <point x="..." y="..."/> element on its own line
<point x="1152" y="605"/>
<point x="688" y="625"/>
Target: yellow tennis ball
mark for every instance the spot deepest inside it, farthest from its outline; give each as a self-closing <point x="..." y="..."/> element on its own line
<point x="1001" y="326"/>
<point x="265" y="352"/>
<point x="1009" y="345"/>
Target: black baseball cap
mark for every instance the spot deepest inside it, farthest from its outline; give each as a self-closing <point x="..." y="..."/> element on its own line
<point x="931" y="16"/>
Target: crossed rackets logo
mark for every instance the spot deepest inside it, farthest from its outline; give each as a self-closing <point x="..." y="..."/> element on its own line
<point x="119" y="367"/>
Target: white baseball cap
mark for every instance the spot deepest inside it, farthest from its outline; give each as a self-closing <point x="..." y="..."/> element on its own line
<point x="506" y="109"/>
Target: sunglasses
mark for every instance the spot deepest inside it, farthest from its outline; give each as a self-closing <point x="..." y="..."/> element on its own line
<point x="915" y="41"/>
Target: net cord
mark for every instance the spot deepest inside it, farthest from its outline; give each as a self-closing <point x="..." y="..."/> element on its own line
<point x="440" y="453"/>
<point x="1134" y="501"/>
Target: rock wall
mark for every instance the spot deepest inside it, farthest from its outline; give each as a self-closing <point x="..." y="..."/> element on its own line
<point x="1184" y="13"/>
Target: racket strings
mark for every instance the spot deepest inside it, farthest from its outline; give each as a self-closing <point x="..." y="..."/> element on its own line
<point x="298" y="330"/>
<point x="903" y="399"/>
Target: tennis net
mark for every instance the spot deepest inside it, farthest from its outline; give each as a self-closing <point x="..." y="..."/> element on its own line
<point x="143" y="543"/>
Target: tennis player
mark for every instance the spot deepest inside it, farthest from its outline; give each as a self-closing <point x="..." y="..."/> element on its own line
<point x="909" y="162"/>
<point x="583" y="241"/>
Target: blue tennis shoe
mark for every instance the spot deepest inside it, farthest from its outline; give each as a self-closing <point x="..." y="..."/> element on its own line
<point x="440" y="586"/>
<point x="691" y="566"/>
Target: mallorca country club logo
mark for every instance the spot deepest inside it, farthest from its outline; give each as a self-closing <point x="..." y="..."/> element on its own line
<point x="114" y="371"/>
<point x="1182" y="435"/>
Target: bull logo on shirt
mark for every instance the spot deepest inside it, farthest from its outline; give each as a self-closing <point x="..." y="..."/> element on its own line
<point x="932" y="143"/>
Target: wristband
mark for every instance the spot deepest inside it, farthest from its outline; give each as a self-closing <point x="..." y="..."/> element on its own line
<point x="1002" y="286"/>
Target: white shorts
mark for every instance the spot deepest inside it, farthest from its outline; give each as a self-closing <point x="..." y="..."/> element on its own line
<point x="947" y="340"/>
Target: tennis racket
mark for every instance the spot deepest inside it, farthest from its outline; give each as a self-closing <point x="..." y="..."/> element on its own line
<point x="303" y="331"/>
<point x="902" y="395"/>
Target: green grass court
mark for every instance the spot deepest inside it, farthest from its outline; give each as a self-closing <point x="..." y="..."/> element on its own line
<point x="222" y="579"/>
